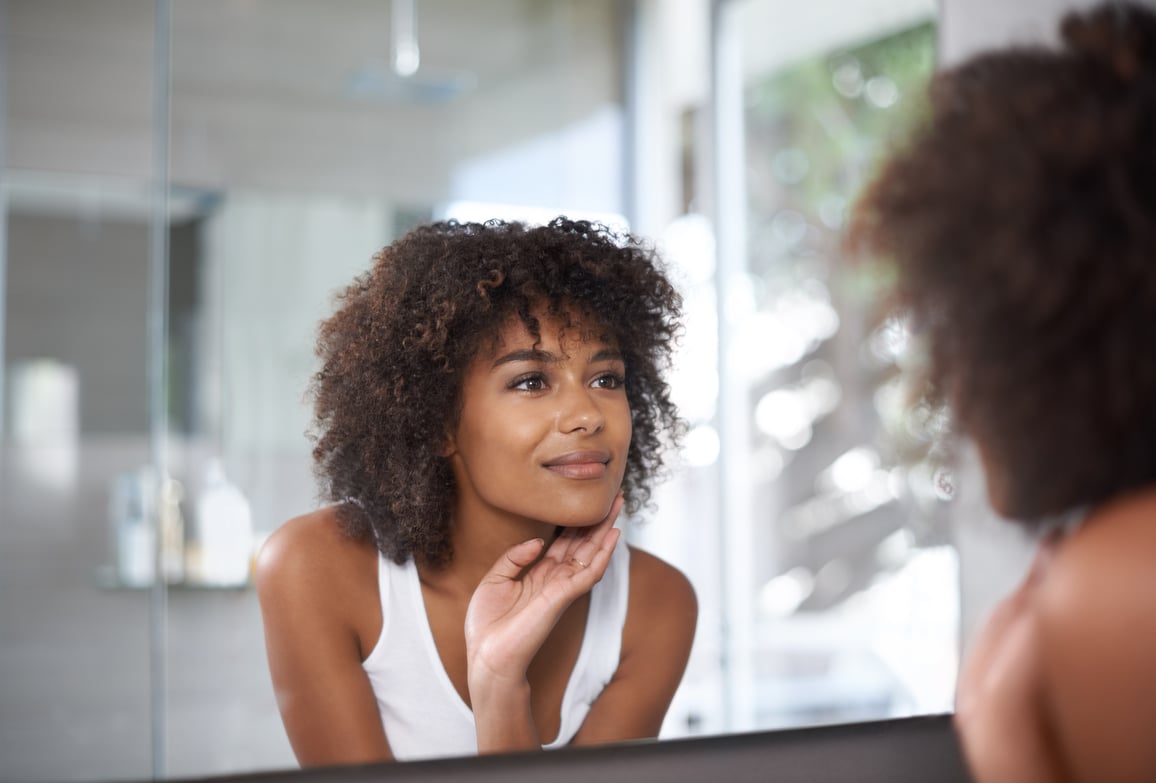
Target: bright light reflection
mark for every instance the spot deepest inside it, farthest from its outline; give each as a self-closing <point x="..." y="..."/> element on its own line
<point x="853" y="470"/>
<point x="896" y="549"/>
<point x="701" y="446"/>
<point x="694" y="376"/>
<point x="741" y="301"/>
<point x="833" y="507"/>
<point x="787" y="414"/>
<point x="822" y="394"/>
<point x="882" y="92"/>
<point x="767" y="463"/>
<point x="783" y="415"/>
<point x="847" y="79"/>
<point x="785" y="332"/>
<point x="889" y="400"/>
<point x="784" y="594"/>
<point x="890" y="341"/>
<point x="833" y="211"/>
<point x="688" y="244"/>
<point x="914" y="614"/>
<point x="45" y="413"/>
<point x="767" y="343"/>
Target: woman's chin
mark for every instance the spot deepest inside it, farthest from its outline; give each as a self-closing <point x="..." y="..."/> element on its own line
<point x="583" y="515"/>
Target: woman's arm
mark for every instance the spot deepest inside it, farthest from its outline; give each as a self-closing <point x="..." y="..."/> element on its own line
<point x="660" y="623"/>
<point x="319" y="602"/>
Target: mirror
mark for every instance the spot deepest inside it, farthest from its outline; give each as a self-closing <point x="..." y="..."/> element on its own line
<point x="293" y="140"/>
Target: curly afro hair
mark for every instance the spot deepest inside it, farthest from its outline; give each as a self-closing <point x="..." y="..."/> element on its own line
<point x="394" y="354"/>
<point x="1021" y="222"/>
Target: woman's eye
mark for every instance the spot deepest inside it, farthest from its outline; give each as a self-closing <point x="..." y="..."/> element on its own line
<point x="529" y="383"/>
<point x="609" y="381"/>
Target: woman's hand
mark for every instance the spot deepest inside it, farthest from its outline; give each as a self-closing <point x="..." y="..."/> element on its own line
<point x="519" y="601"/>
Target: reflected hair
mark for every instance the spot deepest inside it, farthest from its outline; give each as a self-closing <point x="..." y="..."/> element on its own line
<point x="393" y="357"/>
<point x="1021" y="224"/>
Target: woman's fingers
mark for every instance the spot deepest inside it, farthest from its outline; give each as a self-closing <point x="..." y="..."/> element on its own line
<point x="576" y="541"/>
<point x="600" y="554"/>
<point x="517" y="557"/>
<point x="587" y="562"/>
<point x="519" y="600"/>
<point x="579" y="556"/>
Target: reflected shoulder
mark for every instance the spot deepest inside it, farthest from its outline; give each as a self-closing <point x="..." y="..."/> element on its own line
<point x="659" y="589"/>
<point x="313" y="550"/>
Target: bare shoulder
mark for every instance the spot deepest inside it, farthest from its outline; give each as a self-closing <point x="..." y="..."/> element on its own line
<point x="656" y="583"/>
<point x="1096" y="620"/>
<point x="1105" y="572"/>
<point x="321" y="610"/>
<point x="310" y="561"/>
<point x="662" y="604"/>
<point x="310" y="543"/>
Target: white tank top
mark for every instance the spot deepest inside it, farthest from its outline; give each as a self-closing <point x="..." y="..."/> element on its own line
<point x="423" y="715"/>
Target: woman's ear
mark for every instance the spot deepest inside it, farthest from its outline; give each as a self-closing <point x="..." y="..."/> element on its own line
<point x="449" y="446"/>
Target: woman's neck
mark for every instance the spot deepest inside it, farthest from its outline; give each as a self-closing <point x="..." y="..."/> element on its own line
<point x="479" y="537"/>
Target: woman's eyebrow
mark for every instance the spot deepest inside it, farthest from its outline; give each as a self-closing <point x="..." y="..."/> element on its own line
<point x="545" y="357"/>
<point x="525" y="355"/>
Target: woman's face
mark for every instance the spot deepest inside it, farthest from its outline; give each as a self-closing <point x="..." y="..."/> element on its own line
<point x="544" y="429"/>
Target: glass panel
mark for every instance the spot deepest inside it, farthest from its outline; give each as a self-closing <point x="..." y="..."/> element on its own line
<point x="306" y="136"/>
<point x="854" y="598"/>
<point x="74" y="535"/>
<point x="75" y="697"/>
<point x="75" y="551"/>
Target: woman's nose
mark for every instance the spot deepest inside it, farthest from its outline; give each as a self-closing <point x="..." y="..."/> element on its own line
<point x="579" y="411"/>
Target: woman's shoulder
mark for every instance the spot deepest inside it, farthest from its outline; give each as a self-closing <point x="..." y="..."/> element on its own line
<point x="650" y="575"/>
<point x="659" y="590"/>
<point x="1107" y="561"/>
<point x="1100" y="580"/>
<point x="661" y="618"/>
<point x="312" y="557"/>
<point x="1095" y="617"/>
<point x="313" y="540"/>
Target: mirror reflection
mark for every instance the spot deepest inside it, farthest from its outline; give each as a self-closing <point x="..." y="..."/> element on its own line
<point x="187" y="184"/>
<point x="489" y="402"/>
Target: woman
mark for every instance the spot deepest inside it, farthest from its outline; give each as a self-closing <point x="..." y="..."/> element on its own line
<point x="490" y="398"/>
<point x="1022" y="222"/>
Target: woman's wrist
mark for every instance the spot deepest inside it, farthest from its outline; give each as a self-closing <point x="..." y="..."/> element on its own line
<point x="503" y="718"/>
<point x="486" y="686"/>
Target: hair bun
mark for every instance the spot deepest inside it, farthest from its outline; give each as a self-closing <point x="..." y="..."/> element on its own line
<point x="1119" y="35"/>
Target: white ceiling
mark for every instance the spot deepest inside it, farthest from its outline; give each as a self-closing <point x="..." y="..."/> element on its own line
<point x="298" y="94"/>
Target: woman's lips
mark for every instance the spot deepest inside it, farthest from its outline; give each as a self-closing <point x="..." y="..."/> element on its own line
<point x="580" y="464"/>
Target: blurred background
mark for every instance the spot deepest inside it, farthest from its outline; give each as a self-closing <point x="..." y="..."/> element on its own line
<point x="185" y="183"/>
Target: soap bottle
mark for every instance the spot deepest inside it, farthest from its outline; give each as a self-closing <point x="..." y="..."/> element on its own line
<point x="224" y="529"/>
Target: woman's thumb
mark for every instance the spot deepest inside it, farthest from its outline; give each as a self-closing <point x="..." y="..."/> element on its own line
<point x="517" y="557"/>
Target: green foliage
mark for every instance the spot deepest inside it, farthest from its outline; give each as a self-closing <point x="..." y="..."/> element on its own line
<point x="815" y="132"/>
